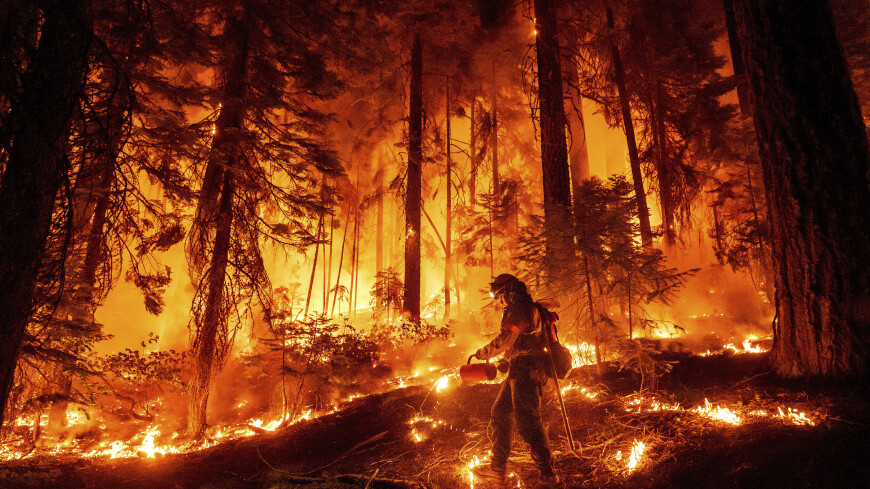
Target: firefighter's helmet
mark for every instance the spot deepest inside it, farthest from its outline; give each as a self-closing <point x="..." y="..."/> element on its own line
<point x="506" y="284"/>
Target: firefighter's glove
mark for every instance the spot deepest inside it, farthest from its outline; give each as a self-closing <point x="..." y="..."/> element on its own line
<point x="479" y="355"/>
<point x="503" y="365"/>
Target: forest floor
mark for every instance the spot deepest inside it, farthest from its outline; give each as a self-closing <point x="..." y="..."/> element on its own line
<point x="417" y="437"/>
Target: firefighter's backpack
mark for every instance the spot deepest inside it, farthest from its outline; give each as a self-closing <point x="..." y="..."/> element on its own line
<point x="561" y="354"/>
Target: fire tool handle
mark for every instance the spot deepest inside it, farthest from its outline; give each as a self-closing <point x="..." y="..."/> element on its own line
<point x="469" y="359"/>
<point x="559" y="392"/>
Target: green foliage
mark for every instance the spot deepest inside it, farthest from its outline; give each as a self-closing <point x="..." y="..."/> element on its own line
<point x="134" y="382"/>
<point x="387" y="294"/>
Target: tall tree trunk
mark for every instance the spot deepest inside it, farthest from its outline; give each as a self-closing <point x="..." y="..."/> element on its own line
<point x="814" y="156"/>
<point x="205" y="351"/>
<point x="340" y="263"/>
<point x="36" y="164"/>
<point x="379" y="219"/>
<point x="554" y="153"/>
<point x="355" y="262"/>
<point x="317" y="243"/>
<point x="413" y="194"/>
<point x="215" y="217"/>
<point x="740" y="76"/>
<point x="496" y="176"/>
<point x="750" y="142"/>
<point x="448" y="261"/>
<point x="578" y="154"/>
<point x="663" y="169"/>
<point x="636" y="175"/>
<point x="472" y="148"/>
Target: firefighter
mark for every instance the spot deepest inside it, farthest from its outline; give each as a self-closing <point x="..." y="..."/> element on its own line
<point x="523" y="344"/>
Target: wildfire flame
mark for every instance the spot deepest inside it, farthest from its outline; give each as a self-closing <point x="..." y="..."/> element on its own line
<point x="718" y="413"/>
<point x="441" y="384"/>
<point x="635" y="457"/>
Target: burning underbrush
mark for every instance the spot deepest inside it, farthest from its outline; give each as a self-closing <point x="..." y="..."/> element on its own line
<point x="714" y="421"/>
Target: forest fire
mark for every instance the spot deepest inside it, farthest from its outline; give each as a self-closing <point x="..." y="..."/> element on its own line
<point x="355" y="243"/>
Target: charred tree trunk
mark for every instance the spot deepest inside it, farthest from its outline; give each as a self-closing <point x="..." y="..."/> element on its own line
<point x="660" y="141"/>
<point x="554" y="153"/>
<point x="379" y="219"/>
<point x="740" y="76"/>
<point x="578" y="155"/>
<point x="36" y="165"/>
<point x="448" y="255"/>
<point x="340" y="263"/>
<point x="214" y="218"/>
<point x="496" y="177"/>
<point x="472" y="148"/>
<point x="205" y="348"/>
<point x="413" y="194"/>
<point x="636" y="175"/>
<point x="815" y="160"/>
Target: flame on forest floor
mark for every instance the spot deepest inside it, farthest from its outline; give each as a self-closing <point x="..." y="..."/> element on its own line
<point x="149" y="443"/>
<point x="718" y="413"/>
<point x="726" y="415"/>
<point x="746" y="347"/>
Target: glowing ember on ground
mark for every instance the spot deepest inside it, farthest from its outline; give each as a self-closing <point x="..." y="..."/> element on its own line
<point x="475" y="462"/>
<point x="584" y="391"/>
<point x="421" y="425"/>
<point x="641" y="404"/>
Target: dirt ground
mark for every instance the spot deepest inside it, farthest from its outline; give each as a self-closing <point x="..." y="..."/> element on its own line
<point x="416" y="437"/>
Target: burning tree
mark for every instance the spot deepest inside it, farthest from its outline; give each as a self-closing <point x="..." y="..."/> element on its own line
<point x="259" y="177"/>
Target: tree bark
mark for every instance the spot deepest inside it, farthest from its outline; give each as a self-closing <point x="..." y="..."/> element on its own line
<point x="448" y="255"/>
<point x="636" y="175"/>
<point x="740" y="76"/>
<point x="554" y="153"/>
<point x="578" y="155"/>
<point x="815" y="161"/>
<point x="413" y="194"/>
<point x="663" y="169"/>
<point x="215" y="217"/>
<point x="205" y="350"/>
<point x="472" y="148"/>
<point x="379" y="219"/>
<point x="36" y="164"/>
<point x="496" y="177"/>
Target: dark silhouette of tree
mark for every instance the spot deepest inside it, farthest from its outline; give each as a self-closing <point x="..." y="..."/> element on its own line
<point x="814" y="155"/>
<point x="413" y="198"/>
<point x="37" y="125"/>
<point x="554" y="152"/>
<point x="628" y="126"/>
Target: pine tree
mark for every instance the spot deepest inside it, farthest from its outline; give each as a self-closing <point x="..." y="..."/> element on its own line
<point x="261" y="53"/>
